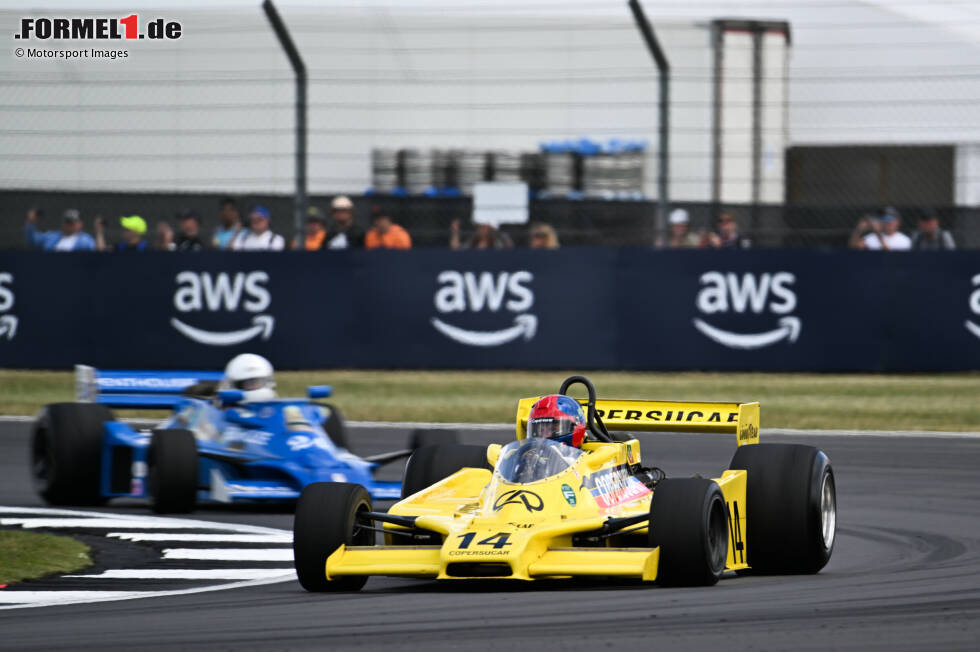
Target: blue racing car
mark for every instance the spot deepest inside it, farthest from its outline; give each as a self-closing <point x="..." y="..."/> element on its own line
<point x="214" y="446"/>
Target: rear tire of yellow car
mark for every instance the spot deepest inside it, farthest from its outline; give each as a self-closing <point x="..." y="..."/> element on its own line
<point x="791" y="513"/>
<point x="689" y="523"/>
<point x="430" y="464"/>
<point x="326" y="518"/>
<point x="172" y="461"/>
<point x="66" y="453"/>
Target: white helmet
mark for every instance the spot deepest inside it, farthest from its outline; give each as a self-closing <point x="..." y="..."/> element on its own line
<point x="253" y="375"/>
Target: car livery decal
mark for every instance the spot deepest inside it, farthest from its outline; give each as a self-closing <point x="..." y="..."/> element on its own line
<point x="614" y="486"/>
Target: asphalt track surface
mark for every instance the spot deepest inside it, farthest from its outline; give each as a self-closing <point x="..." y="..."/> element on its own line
<point x="905" y="575"/>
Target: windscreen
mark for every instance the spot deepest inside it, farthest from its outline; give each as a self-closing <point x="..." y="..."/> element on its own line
<point x="531" y="460"/>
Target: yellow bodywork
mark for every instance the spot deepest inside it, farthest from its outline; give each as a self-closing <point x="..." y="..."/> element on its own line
<point x="526" y="531"/>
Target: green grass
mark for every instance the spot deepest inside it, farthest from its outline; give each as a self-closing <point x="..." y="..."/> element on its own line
<point x="27" y="555"/>
<point x="862" y="401"/>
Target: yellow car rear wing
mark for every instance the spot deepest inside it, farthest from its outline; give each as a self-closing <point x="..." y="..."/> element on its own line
<point x="740" y="419"/>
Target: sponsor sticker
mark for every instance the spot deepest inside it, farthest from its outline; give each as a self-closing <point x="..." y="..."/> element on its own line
<point x="532" y="502"/>
<point x="614" y="486"/>
<point x="569" y="495"/>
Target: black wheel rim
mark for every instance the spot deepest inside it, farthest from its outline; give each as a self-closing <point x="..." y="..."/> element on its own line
<point x="361" y="536"/>
<point x="717" y="540"/>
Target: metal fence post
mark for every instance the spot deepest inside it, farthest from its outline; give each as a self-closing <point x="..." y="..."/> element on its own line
<point x="299" y="68"/>
<point x="663" y="172"/>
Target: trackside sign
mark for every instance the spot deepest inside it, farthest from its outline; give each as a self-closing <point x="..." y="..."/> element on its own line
<point x="574" y="308"/>
<point x="748" y="293"/>
<point x="506" y="294"/>
<point x="223" y="292"/>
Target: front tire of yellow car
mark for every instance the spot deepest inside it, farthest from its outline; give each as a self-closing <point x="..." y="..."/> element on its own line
<point x="326" y="518"/>
<point x="689" y="523"/>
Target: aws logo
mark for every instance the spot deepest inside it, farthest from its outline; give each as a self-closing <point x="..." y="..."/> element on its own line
<point x="974" y="306"/>
<point x="461" y="292"/>
<point x="8" y="323"/>
<point x="200" y="291"/>
<point x="723" y="293"/>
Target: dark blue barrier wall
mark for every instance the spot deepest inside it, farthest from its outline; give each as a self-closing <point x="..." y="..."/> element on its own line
<point x="573" y="308"/>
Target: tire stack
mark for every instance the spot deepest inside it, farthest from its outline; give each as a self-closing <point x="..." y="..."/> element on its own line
<point x="417" y="170"/>
<point x="470" y="166"/>
<point x="506" y="166"/>
<point x="384" y="170"/>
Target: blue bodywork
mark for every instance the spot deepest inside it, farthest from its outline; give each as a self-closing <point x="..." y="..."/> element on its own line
<point x="255" y="451"/>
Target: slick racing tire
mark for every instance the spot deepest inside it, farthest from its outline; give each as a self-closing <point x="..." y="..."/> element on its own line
<point x="431" y="437"/>
<point x="326" y="518"/>
<point x="689" y="523"/>
<point x="792" y="507"/>
<point x="430" y="464"/>
<point x="335" y="427"/>
<point x="66" y="453"/>
<point x="173" y="471"/>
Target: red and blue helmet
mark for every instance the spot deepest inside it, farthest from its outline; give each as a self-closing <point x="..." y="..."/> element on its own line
<point x="559" y="418"/>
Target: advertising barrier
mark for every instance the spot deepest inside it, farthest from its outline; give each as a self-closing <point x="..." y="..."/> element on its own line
<point x="775" y="310"/>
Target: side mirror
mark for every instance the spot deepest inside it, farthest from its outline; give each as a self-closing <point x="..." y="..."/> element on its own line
<point x="319" y="391"/>
<point x="493" y="453"/>
<point x="230" y="397"/>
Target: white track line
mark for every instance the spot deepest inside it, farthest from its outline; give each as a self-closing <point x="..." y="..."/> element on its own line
<point x="149" y="522"/>
<point x="51" y="598"/>
<point x="907" y="434"/>
<point x="190" y="574"/>
<point x="231" y="578"/>
<point x="230" y="554"/>
<point x="431" y="425"/>
<point x="97" y="523"/>
<point x="65" y="597"/>
<point x="206" y="538"/>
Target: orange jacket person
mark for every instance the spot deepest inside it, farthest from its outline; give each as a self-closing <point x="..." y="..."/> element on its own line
<point x="385" y="234"/>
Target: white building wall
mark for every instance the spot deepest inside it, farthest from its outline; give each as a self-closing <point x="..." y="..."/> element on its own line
<point x="213" y="111"/>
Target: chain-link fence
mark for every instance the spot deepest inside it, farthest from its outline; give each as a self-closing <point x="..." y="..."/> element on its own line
<point x="800" y="132"/>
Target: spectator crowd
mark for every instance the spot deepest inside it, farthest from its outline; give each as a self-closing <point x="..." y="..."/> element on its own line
<point x="340" y="230"/>
<point x="233" y="233"/>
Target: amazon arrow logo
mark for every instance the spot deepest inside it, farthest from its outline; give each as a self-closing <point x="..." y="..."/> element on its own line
<point x="8" y="326"/>
<point x="202" y="292"/>
<point x="723" y="293"/>
<point x="485" y="292"/>
<point x="262" y="325"/>
<point x="524" y="325"/>
<point x="789" y="329"/>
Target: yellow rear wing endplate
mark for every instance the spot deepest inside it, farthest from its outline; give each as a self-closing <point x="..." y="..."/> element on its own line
<point x="740" y="419"/>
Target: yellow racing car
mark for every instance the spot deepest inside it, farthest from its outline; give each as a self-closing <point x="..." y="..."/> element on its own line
<point x="568" y="500"/>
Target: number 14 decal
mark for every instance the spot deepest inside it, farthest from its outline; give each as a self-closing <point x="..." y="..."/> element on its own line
<point x="498" y="540"/>
<point x="735" y="531"/>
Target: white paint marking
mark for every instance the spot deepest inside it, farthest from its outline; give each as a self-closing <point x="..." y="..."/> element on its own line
<point x="60" y="597"/>
<point x="105" y="596"/>
<point x="192" y="574"/>
<point x="149" y="522"/>
<point x="411" y="425"/>
<point x="97" y="523"/>
<point x="238" y="577"/>
<point x="217" y="538"/>
<point x="230" y="554"/>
